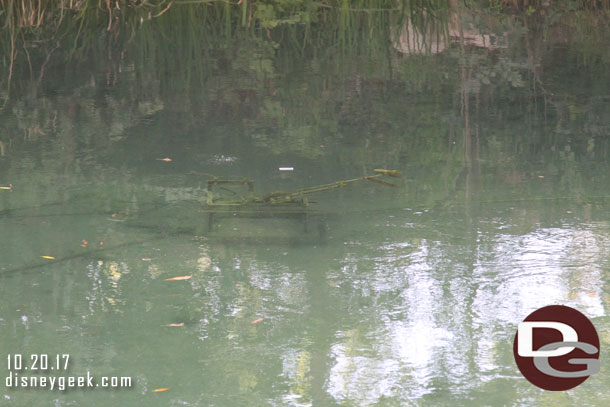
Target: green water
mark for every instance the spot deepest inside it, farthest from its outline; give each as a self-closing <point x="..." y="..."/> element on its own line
<point x="406" y="296"/>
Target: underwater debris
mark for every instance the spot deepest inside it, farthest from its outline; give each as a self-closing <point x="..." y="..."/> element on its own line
<point x="223" y="200"/>
<point x="277" y="198"/>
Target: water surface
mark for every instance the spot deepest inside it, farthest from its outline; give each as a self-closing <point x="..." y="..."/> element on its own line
<point x="411" y="295"/>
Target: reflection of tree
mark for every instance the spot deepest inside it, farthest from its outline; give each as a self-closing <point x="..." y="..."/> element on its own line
<point x="434" y="32"/>
<point x="238" y="80"/>
<point x="354" y="319"/>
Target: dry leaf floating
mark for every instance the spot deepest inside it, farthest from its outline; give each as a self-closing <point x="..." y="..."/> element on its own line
<point x="179" y="278"/>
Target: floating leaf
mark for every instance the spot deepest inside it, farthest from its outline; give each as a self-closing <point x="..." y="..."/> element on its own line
<point x="256" y="321"/>
<point x="180" y="324"/>
<point x="166" y="159"/>
<point x="162" y="389"/>
<point x="48" y="257"/>
<point x="178" y="278"/>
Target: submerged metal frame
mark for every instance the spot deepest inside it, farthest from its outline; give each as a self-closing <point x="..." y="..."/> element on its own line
<point x="276" y="204"/>
<point x="252" y="205"/>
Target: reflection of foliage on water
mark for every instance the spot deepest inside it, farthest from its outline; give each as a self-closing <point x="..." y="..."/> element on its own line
<point x="360" y="96"/>
<point x="508" y="120"/>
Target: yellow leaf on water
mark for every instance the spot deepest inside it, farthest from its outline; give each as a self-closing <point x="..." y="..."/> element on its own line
<point x="48" y="257"/>
<point x="162" y="389"/>
<point x="178" y="278"/>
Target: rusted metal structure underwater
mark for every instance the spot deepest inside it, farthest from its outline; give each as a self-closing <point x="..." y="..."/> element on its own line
<point x="236" y="198"/>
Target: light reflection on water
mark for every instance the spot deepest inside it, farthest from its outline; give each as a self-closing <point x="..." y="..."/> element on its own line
<point x="411" y="298"/>
<point x="436" y="325"/>
<point x="405" y="311"/>
<point x="393" y="306"/>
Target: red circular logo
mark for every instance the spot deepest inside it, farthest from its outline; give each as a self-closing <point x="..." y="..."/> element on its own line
<point x="556" y="348"/>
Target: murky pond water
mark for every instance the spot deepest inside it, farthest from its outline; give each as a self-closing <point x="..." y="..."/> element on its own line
<point x="404" y="295"/>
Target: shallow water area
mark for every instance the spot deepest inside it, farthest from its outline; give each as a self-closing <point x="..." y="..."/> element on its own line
<point x="382" y="295"/>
